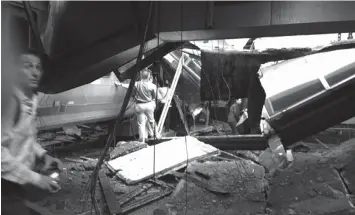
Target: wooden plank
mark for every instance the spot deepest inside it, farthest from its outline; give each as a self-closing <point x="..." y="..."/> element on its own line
<point x="169" y="156"/>
<point x="170" y="96"/>
<point x="109" y="195"/>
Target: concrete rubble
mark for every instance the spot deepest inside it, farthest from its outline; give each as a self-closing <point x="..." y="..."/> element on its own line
<point x="122" y="148"/>
<point x="319" y="181"/>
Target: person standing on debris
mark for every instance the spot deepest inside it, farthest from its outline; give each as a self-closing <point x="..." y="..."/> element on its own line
<point x="235" y="119"/>
<point x="234" y="114"/>
<point x="20" y="151"/>
<point x="145" y="104"/>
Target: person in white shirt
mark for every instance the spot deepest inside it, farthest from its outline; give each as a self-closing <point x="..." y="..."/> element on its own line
<point x="145" y="96"/>
<point x="20" y="151"/>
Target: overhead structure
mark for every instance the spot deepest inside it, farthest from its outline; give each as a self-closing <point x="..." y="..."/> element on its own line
<point x="86" y="40"/>
<point x="227" y="20"/>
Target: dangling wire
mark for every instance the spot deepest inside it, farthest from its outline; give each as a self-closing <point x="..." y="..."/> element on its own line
<point x="94" y="177"/>
<point x="156" y="94"/>
<point x="187" y="157"/>
<point x="221" y="70"/>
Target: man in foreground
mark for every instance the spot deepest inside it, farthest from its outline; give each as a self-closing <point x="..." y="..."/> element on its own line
<point x="20" y="152"/>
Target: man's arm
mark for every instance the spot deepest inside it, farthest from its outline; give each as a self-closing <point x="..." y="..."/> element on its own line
<point x="14" y="171"/>
<point x="37" y="148"/>
<point x="123" y="85"/>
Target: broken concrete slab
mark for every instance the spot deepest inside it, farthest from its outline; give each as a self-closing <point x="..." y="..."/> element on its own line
<point x="122" y="148"/>
<point x="308" y="187"/>
<point x="238" y="176"/>
<point x="342" y="158"/>
<point x="275" y="157"/>
<point x="166" y="156"/>
<point x="188" y="198"/>
<point x="321" y="205"/>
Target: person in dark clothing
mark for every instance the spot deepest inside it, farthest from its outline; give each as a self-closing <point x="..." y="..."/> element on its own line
<point x="234" y="114"/>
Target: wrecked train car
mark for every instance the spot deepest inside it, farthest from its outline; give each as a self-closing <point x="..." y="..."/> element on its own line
<point x="303" y="96"/>
<point x="54" y="17"/>
<point x="310" y="94"/>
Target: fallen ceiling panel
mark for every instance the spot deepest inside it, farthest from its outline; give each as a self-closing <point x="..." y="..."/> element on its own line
<point x="168" y="156"/>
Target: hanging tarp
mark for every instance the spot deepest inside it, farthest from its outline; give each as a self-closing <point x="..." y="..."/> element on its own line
<point x="226" y="75"/>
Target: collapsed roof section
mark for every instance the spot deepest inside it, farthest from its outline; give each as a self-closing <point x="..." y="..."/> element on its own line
<point x="86" y="40"/>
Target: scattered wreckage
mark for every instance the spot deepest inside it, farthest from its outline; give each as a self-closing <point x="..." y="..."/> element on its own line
<point x="211" y="181"/>
<point x="144" y="166"/>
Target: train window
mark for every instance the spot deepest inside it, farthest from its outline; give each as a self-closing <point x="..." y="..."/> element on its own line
<point x="186" y="58"/>
<point x="176" y="53"/>
<point x="194" y="67"/>
<point x="296" y="80"/>
<point x="169" y="58"/>
<point x="341" y="74"/>
<point x="294" y="95"/>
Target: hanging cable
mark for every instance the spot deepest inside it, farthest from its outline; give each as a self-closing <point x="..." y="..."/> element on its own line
<point x="94" y="176"/>
<point x="155" y="75"/>
<point x="221" y="70"/>
<point x="187" y="160"/>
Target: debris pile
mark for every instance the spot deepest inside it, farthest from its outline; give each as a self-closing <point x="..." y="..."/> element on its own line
<point x="316" y="184"/>
<point x="123" y="148"/>
<point x="191" y="177"/>
<point x="70" y="134"/>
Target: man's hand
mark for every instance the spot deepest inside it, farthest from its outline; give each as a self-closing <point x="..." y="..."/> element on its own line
<point x="48" y="184"/>
<point x="51" y="163"/>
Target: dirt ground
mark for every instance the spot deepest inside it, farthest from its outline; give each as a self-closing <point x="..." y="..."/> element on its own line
<point x="321" y="180"/>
